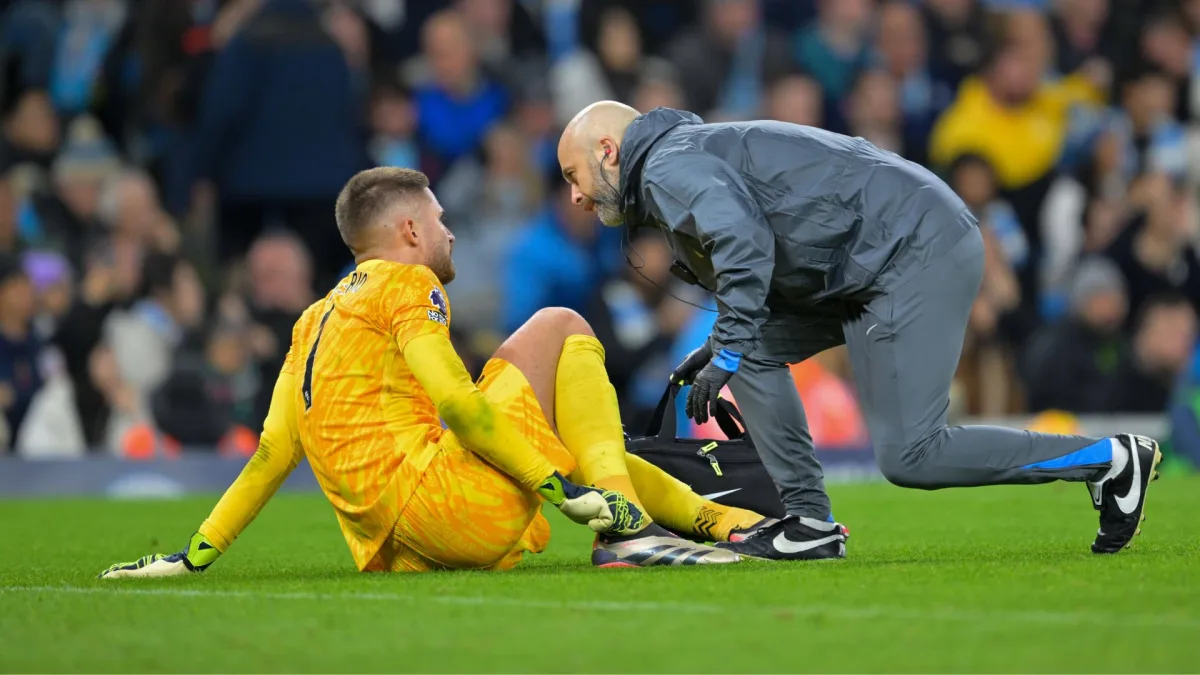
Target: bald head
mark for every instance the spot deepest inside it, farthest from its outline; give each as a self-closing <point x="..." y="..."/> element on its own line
<point x="603" y="118"/>
<point x="590" y="155"/>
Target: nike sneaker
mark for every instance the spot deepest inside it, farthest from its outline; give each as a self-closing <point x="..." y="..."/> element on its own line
<point x="1120" y="496"/>
<point x="655" y="546"/>
<point x="793" y="538"/>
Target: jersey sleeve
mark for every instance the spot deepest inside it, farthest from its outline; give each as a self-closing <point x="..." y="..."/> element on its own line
<point x="415" y="304"/>
<point x="279" y="452"/>
<point x="482" y="428"/>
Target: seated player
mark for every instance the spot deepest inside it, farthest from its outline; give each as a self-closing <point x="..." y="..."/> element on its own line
<point x="370" y="375"/>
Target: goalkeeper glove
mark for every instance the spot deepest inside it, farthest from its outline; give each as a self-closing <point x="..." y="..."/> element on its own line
<point x="604" y="511"/>
<point x="199" y="554"/>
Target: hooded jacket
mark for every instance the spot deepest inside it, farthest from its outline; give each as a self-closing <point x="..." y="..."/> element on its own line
<point x="778" y="217"/>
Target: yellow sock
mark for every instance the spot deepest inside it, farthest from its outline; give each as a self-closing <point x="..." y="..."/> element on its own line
<point x="673" y="504"/>
<point x="588" y="418"/>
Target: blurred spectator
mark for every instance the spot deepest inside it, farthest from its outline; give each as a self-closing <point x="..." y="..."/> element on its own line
<point x="458" y="104"/>
<point x="533" y="114"/>
<point x="1162" y="351"/>
<point x="144" y="338"/>
<point x="51" y="276"/>
<point x="504" y="34"/>
<point x="636" y="321"/>
<point x="1153" y="141"/>
<point x="10" y="236"/>
<point x="956" y="39"/>
<point x="91" y="28"/>
<point x="1075" y="365"/>
<point x="111" y="275"/>
<point x="28" y="33"/>
<point x="904" y="54"/>
<point x="873" y="111"/>
<point x="67" y="218"/>
<point x="487" y="206"/>
<point x="130" y="207"/>
<point x="31" y="129"/>
<point x="280" y="280"/>
<point x="834" y="49"/>
<point x="20" y="347"/>
<point x="1155" y="252"/>
<point x="1166" y="44"/>
<point x="726" y="63"/>
<point x="1080" y="30"/>
<point x="1018" y="123"/>
<point x="654" y="93"/>
<point x="394" y="130"/>
<point x="1027" y="30"/>
<point x="279" y="131"/>
<point x="208" y="400"/>
<point x="610" y="65"/>
<point x="796" y="99"/>
<point x="986" y="367"/>
<point x="501" y="194"/>
<point x="974" y="179"/>
<point x="176" y="43"/>
<point x="559" y="259"/>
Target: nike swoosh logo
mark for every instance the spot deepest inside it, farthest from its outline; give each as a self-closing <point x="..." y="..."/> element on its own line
<point x="719" y="494"/>
<point x="785" y="545"/>
<point x="1128" y="503"/>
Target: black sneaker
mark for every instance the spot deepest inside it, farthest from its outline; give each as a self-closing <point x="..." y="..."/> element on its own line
<point x="1120" y="496"/>
<point x="793" y="538"/>
<point x="742" y="535"/>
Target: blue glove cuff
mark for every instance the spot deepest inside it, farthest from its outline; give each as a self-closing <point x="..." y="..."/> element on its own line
<point x="727" y="360"/>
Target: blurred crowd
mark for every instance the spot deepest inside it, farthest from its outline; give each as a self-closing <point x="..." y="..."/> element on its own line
<point x="168" y="171"/>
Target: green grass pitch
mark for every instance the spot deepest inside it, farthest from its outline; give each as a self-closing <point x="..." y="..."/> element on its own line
<point x="995" y="580"/>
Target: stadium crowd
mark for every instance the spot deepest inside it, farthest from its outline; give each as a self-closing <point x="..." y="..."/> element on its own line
<point x="169" y="171"/>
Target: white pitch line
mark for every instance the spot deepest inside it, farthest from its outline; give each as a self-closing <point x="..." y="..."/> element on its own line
<point x="977" y="616"/>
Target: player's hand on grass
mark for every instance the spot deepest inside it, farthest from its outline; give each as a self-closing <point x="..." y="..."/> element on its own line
<point x="199" y="554"/>
<point x="708" y="383"/>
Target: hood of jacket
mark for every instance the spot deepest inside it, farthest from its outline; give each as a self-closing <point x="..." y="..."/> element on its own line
<point x="643" y="132"/>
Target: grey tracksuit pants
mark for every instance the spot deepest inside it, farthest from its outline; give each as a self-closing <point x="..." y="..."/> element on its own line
<point x="904" y="349"/>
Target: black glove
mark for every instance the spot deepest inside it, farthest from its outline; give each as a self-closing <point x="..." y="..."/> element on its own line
<point x="686" y="371"/>
<point x="707" y="385"/>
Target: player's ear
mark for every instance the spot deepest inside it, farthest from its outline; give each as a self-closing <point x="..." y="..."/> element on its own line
<point x="408" y="232"/>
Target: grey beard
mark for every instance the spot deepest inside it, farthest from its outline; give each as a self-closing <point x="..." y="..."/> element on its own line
<point x="607" y="197"/>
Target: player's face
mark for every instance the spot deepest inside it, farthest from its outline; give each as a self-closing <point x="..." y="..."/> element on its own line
<point x="437" y="242"/>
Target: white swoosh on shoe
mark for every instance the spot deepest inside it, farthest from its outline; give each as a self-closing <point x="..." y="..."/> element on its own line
<point x="785" y="545"/>
<point x="1128" y="504"/>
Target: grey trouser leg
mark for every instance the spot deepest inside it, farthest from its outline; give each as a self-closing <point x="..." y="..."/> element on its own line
<point x="904" y="348"/>
<point x="766" y="394"/>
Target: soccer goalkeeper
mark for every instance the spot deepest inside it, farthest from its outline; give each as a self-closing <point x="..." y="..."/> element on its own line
<point x="370" y="375"/>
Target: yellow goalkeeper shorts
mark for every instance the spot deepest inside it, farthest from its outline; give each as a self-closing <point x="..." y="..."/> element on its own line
<point x="466" y="514"/>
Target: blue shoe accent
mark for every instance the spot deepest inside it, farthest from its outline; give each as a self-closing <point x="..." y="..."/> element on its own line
<point x="1100" y="452"/>
<point x="830" y="519"/>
